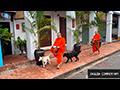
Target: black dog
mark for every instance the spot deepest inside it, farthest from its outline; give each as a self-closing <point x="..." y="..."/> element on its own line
<point x="71" y="55"/>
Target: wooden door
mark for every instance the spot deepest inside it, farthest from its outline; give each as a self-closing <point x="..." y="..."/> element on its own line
<point x="63" y="27"/>
<point x="47" y="40"/>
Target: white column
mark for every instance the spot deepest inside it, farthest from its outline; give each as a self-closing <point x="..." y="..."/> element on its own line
<point x="12" y="31"/>
<point x="29" y="38"/>
<point x="55" y="18"/>
<point x="70" y="42"/>
<point x="109" y="27"/>
<point x="119" y="27"/>
<point x="93" y="28"/>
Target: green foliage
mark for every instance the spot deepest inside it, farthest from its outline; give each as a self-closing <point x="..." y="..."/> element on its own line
<point x="19" y="42"/>
<point x="40" y="23"/>
<point x="77" y="35"/>
<point x="87" y="40"/>
<point x="99" y="22"/>
<point x="80" y="15"/>
<point x="5" y="35"/>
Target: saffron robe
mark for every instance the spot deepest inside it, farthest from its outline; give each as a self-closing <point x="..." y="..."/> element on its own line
<point x="61" y="43"/>
<point x="96" y="46"/>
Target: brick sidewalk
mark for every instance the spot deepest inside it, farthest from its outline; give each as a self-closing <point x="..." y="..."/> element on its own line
<point x="33" y="71"/>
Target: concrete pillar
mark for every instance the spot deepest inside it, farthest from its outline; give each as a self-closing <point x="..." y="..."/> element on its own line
<point x="55" y="18"/>
<point x="118" y="27"/>
<point x="29" y="38"/>
<point x="93" y="28"/>
<point x="70" y="41"/>
<point x="109" y="27"/>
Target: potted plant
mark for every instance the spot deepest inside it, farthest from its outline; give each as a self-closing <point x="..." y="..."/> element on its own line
<point x="21" y="44"/>
<point x="38" y="21"/>
<point x="4" y="37"/>
<point x="100" y="23"/>
<point x="81" y="20"/>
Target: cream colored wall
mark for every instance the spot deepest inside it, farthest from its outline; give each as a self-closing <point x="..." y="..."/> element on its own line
<point x="18" y="32"/>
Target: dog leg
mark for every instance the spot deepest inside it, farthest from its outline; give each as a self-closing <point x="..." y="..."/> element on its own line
<point x="43" y="64"/>
<point x="76" y="59"/>
<point x="49" y="61"/>
<point x="67" y="60"/>
<point x="71" y="60"/>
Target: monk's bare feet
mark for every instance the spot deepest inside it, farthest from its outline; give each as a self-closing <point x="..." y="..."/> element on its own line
<point x="59" y="65"/>
<point x="93" y="53"/>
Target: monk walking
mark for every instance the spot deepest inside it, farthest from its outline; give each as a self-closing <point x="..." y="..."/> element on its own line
<point x="60" y="45"/>
<point x="96" y="46"/>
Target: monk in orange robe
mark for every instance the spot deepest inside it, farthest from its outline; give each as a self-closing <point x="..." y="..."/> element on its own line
<point x="96" y="46"/>
<point x="60" y="44"/>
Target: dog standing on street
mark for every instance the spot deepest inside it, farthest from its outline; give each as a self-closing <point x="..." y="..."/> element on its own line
<point x="45" y="59"/>
<point x="71" y="55"/>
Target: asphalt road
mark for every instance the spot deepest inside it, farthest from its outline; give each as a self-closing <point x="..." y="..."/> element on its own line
<point x="111" y="62"/>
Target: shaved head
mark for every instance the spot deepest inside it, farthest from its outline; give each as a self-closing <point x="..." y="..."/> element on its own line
<point x="59" y="35"/>
<point x="96" y="32"/>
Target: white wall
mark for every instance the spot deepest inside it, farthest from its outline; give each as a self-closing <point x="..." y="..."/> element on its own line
<point x="94" y="28"/>
<point x="30" y="41"/>
<point x="18" y="32"/>
<point x="70" y="42"/>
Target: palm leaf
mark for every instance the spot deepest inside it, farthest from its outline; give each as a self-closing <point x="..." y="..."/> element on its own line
<point x="32" y="24"/>
<point x="30" y="30"/>
<point x="44" y="28"/>
<point x="43" y="36"/>
<point x="47" y="27"/>
<point x="53" y="27"/>
<point x="70" y="17"/>
<point x="47" y="21"/>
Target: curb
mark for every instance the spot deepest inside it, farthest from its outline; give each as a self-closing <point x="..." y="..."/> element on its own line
<point x="64" y="75"/>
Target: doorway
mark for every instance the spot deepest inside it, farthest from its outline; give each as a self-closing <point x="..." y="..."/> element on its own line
<point x="47" y="40"/>
<point x="63" y="27"/>
<point x="7" y="48"/>
<point x="85" y="36"/>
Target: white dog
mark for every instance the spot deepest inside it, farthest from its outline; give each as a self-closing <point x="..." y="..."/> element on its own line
<point x="45" y="59"/>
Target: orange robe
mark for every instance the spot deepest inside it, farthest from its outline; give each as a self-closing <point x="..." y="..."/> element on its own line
<point x="96" y="37"/>
<point x="61" y="43"/>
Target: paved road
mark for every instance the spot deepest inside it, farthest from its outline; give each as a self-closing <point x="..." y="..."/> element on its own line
<point x="112" y="62"/>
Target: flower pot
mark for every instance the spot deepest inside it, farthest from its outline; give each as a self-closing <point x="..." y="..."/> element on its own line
<point x="77" y="47"/>
<point x="22" y="48"/>
<point x="37" y="54"/>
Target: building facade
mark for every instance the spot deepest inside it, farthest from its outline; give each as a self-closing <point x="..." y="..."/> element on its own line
<point x="62" y="25"/>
